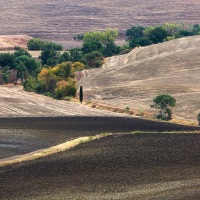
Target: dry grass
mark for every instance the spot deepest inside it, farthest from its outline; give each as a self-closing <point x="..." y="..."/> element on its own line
<point x="61" y="20"/>
<point x="44" y="152"/>
<point x="134" y="79"/>
<point x="9" y="42"/>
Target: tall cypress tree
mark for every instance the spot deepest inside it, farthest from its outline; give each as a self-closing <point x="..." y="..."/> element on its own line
<point x="81" y="94"/>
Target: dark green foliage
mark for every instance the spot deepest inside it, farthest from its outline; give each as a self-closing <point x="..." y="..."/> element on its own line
<point x="89" y="47"/>
<point x="135" y="32"/>
<point x="111" y="49"/>
<point x="164" y="102"/>
<point x="40" y="87"/>
<point x="76" y="55"/>
<point x="21" y="52"/>
<point x="5" y="74"/>
<point x="7" y="59"/>
<point x="157" y="35"/>
<point x="81" y="94"/>
<point x="35" y="44"/>
<point x="26" y="67"/>
<point x="65" y="57"/>
<point x="94" y="59"/>
<point x="38" y="44"/>
<point x="49" y="56"/>
<point x="185" y="33"/>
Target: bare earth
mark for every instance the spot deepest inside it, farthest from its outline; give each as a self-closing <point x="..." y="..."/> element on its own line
<point x="134" y="79"/>
<point x="139" y="167"/>
<point x="62" y="19"/>
<point x="9" y="42"/>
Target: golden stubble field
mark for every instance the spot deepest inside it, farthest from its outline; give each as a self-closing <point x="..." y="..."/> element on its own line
<point x="62" y="19"/>
<point x="134" y="79"/>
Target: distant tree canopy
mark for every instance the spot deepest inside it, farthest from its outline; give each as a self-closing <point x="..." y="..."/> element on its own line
<point x="143" y="36"/>
<point x="38" y="44"/>
<point x="103" y="37"/>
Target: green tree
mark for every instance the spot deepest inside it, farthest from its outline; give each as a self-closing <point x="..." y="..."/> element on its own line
<point x="49" y="56"/>
<point x="158" y="34"/>
<point x="7" y="59"/>
<point x="89" y="47"/>
<point x="65" y="57"/>
<point x="111" y="49"/>
<point x="164" y="103"/>
<point x="94" y="59"/>
<point x="35" y="44"/>
<point x="135" y="32"/>
<point x="26" y="67"/>
<point x="104" y="37"/>
<point x="5" y="74"/>
<point x="76" y="55"/>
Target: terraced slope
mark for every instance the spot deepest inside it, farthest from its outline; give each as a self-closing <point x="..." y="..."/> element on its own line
<point x="60" y="20"/>
<point x="136" y="78"/>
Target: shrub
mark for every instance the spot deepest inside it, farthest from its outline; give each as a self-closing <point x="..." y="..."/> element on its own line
<point x="163" y="102"/>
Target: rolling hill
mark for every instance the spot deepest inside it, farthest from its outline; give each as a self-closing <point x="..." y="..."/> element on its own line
<point x="60" y="20"/>
<point x="134" y="79"/>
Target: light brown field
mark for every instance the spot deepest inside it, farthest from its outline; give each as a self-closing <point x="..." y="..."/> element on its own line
<point x="62" y="19"/>
<point x="9" y="42"/>
<point x="134" y="79"/>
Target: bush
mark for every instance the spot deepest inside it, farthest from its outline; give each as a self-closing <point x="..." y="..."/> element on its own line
<point x="163" y="102"/>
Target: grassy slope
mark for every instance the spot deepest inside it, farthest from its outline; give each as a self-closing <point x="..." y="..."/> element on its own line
<point x="136" y="78"/>
<point x="60" y="20"/>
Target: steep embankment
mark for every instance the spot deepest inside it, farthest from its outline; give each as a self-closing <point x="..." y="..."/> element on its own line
<point x="136" y="78"/>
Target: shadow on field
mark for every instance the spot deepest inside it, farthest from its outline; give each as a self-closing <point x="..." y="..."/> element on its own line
<point x="91" y="125"/>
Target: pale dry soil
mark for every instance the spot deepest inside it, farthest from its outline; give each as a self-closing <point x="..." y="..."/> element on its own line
<point x="136" y="78"/>
<point x="9" y="42"/>
<point x="62" y="19"/>
<point x="141" y="166"/>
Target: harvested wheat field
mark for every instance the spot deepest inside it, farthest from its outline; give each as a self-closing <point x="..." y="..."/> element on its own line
<point x="134" y="79"/>
<point x="62" y="19"/>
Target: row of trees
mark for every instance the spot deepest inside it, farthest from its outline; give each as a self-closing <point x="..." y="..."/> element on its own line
<point x="143" y="36"/>
<point x="38" y="44"/>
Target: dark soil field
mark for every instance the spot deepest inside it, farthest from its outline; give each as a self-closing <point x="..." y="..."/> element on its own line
<point x="62" y="19"/>
<point x="141" y="166"/>
<point x="21" y="135"/>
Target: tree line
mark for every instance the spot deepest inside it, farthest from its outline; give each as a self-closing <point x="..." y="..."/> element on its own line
<point x="54" y="73"/>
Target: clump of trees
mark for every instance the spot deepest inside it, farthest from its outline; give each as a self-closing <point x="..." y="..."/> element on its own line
<point x="164" y="103"/>
<point x="21" y="62"/>
<point x="143" y="36"/>
<point x="58" y="81"/>
<point x="38" y="44"/>
<point x="198" y="118"/>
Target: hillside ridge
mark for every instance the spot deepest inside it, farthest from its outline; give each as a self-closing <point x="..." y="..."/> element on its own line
<point x="134" y="79"/>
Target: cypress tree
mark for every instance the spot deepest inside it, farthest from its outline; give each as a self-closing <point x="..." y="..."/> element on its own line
<point x="81" y="94"/>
